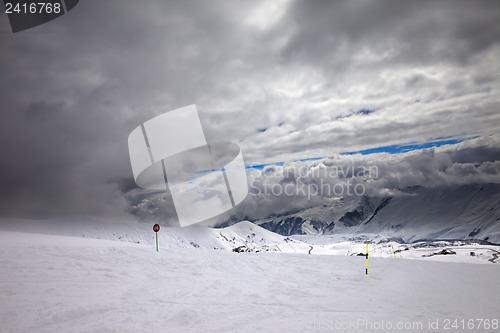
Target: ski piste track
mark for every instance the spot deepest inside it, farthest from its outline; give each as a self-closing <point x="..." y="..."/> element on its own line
<point x="495" y="256"/>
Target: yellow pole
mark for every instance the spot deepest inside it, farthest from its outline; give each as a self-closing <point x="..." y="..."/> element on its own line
<point x="366" y="272"/>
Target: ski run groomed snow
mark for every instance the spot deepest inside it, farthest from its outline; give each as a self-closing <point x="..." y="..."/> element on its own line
<point x="73" y="282"/>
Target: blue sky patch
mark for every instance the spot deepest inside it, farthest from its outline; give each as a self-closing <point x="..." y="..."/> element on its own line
<point x="395" y="149"/>
<point x="392" y="149"/>
<point x="365" y="112"/>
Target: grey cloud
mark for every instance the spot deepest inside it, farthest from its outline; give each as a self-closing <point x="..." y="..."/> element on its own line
<point x="379" y="175"/>
<point x="72" y="90"/>
<point x="300" y="185"/>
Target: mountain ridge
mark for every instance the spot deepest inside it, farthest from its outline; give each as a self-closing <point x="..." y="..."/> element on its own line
<point x="414" y="213"/>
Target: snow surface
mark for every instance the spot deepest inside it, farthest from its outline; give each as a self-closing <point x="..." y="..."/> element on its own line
<point x="195" y="283"/>
<point x="412" y="214"/>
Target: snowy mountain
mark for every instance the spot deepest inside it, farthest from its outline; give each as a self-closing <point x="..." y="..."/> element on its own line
<point x="244" y="237"/>
<point x="51" y="283"/>
<point x="415" y="213"/>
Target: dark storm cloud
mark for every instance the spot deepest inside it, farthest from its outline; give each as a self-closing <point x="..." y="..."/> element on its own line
<point x="411" y="32"/>
<point x="72" y="90"/>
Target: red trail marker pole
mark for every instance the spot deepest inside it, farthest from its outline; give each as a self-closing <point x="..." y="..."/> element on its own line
<point x="156" y="228"/>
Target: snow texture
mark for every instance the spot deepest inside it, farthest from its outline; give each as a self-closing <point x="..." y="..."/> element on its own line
<point x="196" y="283"/>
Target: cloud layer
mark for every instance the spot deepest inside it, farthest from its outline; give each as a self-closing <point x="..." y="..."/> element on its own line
<point x="278" y="189"/>
<point x="283" y="79"/>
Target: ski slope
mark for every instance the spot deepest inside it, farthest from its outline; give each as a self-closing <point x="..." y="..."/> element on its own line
<point x="54" y="283"/>
<point x="415" y="213"/>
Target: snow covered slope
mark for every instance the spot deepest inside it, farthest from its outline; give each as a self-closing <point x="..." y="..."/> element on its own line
<point x="466" y="212"/>
<point x="469" y="212"/>
<point x="67" y="284"/>
<point x="248" y="237"/>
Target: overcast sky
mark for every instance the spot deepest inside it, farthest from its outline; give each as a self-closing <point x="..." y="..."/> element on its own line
<point x="286" y="80"/>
